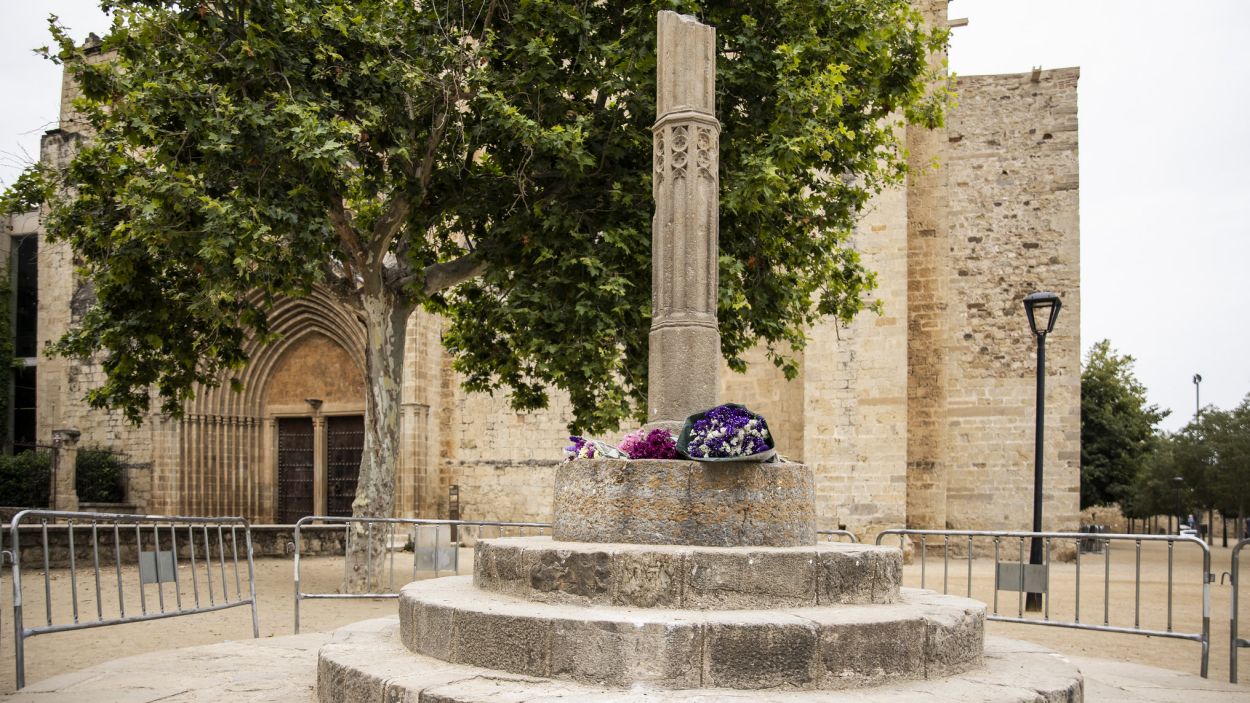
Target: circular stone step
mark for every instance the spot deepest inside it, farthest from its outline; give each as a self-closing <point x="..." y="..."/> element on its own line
<point x="671" y="501"/>
<point x="689" y="577"/>
<point x="922" y="635"/>
<point x="366" y="663"/>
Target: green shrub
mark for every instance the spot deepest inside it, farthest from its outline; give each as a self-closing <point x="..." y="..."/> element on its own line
<point x="99" y="477"/>
<point x="24" y="479"/>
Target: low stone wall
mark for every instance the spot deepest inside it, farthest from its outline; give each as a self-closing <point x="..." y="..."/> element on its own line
<point x="268" y="541"/>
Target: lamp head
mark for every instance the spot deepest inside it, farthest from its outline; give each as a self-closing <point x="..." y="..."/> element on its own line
<point x="1042" y="310"/>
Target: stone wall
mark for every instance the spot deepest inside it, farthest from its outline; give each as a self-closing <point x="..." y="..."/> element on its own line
<point x="927" y="302"/>
<point x="855" y="406"/>
<point x="1014" y="230"/>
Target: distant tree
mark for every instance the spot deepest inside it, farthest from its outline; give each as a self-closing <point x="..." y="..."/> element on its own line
<point x="490" y="161"/>
<point x="1118" y="431"/>
<point x="1232" y="447"/>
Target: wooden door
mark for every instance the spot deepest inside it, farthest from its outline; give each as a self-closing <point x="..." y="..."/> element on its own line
<point x="345" y="443"/>
<point x="295" y="469"/>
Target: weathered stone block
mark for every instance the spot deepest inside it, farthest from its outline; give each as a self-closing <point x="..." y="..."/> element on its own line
<point x="857" y="574"/>
<point x="760" y="656"/>
<point x="954" y="637"/>
<point x="723" y="579"/>
<point x="648" y="579"/>
<point x="623" y="654"/>
<point x="865" y="654"/>
<point x="431" y="628"/>
<point x="585" y="574"/>
<point x="495" y="641"/>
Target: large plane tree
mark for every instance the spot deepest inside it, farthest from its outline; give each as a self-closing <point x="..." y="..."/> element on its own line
<point x="488" y="160"/>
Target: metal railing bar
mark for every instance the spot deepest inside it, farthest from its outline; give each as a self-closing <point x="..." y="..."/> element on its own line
<point x="946" y="560"/>
<point x="234" y="553"/>
<point x="1170" y="549"/>
<point x="1046" y="600"/>
<point x="1137" y="588"/>
<point x="1235" y="642"/>
<point x="1020" y="605"/>
<point x="173" y="547"/>
<point x="73" y="573"/>
<point x="195" y="579"/>
<point x="95" y="560"/>
<point x="1077" y="617"/>
<point x="1106" y="586"/>
<point x="156" y="563"/>
<point x="1193" y="637"/>
<point x="221" y="562"/>
<point x="117" y="559"/>
<point x="924" y="559"/>
<point x="969" y="593"/>
<point x="143" y="603"/>
<point x="251" y="581"/>
<point x="997" y="542"/>
<point x="30" y="632"/>
<point x="47" y="572"/>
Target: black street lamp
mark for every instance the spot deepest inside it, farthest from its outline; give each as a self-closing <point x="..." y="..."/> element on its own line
<point x="1042" y="310"/>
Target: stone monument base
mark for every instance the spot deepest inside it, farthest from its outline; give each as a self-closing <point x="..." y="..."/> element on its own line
<point x="368" y="663"/>
<point x="547" y="619"/>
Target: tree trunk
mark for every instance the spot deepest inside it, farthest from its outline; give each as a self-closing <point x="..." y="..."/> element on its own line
<point x="386" y="320"/>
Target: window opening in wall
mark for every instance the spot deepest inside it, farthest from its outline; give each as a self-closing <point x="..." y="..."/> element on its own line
<point x="24" y="408"/>
<point x="24" y="330"/>
<point x="26" y="295"/>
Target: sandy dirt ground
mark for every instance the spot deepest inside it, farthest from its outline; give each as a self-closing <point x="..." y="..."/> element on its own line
<point x="55" y="653"/>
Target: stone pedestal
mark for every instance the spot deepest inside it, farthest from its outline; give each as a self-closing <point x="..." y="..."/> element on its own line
<point x="64" y="469"/>
<point x="656" y="501"/>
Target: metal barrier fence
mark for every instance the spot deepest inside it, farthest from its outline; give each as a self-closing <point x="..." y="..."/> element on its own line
<point x="1234" y="642"/>
<point x="831" y="534"/>
<point x="435" y="548"/>
<point x="1020" y="577"/>
<point x="157" y="566"/>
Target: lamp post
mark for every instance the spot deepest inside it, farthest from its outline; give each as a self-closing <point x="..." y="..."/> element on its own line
<point x="1178" y="482"/>
<point x="1042" y="310"/>
<point x="1197" y="394"/>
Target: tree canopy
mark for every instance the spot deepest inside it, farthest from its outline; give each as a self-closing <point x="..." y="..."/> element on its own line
<point x="488" y="160"/>
<point x="1118" y="434"/>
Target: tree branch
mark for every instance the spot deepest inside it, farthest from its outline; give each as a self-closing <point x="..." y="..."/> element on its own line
<point x="347" y="234"/>
<point x="389" y="226"/>
<point x="446" y="274"/>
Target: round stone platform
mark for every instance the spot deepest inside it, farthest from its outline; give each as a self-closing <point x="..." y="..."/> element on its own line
<point x="687" y="577"/>
<point x="367" y="663"/>
<point x="924" y="635"/>
<point x="662" y="501"/>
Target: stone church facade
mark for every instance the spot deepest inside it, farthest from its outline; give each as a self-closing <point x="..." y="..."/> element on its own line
<point x="921" y="416"/>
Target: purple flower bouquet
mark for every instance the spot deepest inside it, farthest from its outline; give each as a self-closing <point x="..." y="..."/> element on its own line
<point x="656" y="444"/>
<point x="728" y="432"/>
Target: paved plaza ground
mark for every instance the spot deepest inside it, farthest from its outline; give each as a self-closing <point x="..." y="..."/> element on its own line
<point x="1118" y="667"/>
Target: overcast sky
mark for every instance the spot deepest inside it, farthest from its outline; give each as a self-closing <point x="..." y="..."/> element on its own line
<point x="1165" y="197"/>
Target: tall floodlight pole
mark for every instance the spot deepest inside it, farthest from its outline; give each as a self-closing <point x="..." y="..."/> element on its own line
<point x="1197" y="395"/>
<point x="1042" y="310"/>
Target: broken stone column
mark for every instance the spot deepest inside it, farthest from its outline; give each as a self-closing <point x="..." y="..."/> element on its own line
<point x="684" y="357"/>
<point x="65" y="476"/>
